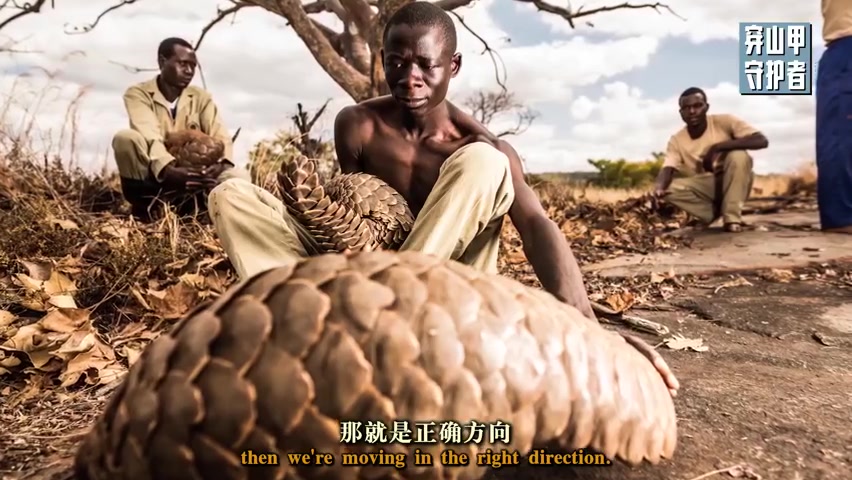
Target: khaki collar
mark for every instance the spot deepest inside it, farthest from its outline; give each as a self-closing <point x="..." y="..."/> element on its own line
<point x="151" y="87"/>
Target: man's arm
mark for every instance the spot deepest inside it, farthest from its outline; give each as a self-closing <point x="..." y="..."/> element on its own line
<point x="745" y="137"/>
<point x="212" y="124"/>
<point x="544" y="243"/>
<point x="670" y="163"/>
<point x="144" y="120"/>
<point x="347" y="138"/>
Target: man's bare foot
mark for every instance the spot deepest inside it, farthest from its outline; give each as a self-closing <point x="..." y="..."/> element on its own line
<point x="733" y="227"/>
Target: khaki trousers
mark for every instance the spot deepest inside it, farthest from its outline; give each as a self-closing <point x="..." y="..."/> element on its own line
<point x="707" y="197"/>
<point x="461" y="219"/>
<point x="131" y="158"/>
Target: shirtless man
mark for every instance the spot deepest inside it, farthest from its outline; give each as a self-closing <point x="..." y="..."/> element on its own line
<point x="457" y="177"/>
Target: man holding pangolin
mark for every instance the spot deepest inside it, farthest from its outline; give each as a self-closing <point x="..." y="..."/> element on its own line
<point x="167" y="114"/>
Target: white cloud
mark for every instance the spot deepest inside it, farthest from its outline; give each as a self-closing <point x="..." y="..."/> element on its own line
<point x="624" y="124"/>
<point x="257" y="70"/>
<point x="696" y="20"/>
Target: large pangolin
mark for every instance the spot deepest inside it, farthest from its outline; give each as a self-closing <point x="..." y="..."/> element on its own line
<point x="275" y="363"/>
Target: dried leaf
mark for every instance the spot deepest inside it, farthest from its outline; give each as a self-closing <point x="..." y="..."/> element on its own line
<point x="6" y="318"/>
<point x="778" y="275"/>
<point x="174" y="301"/>
<point x="679" y="342"/>
<point x="621" y="302"/>
<point x="743" y="471"/>
<point x="62" y="223"/>
<point x="737" y="282"/>
<point x="56" y="291"/>
<point x="516" y="257"/>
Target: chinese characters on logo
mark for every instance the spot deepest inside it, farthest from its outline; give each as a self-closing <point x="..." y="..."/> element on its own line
<point x="775" y="59"/>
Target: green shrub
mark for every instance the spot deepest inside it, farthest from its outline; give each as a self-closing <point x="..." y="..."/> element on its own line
<point x="626" y="174"/>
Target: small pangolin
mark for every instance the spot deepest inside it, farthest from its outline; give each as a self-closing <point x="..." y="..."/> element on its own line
<point x="352" y="211"/>
<point x="194" y="148"/>
<point x="276" y="363"/>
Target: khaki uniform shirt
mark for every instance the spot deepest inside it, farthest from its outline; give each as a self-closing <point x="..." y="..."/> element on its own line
<point x="837" y="19"/>
<point x="686" y="155"/>
<point x="150" y="114"/>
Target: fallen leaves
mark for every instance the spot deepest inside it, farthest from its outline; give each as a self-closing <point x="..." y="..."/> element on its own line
<point x="45" y="331"/>
<point x="45" y="287"/>
<point x="679" y="342"/>
<point x="64" y="342"/>
<point x="621" y="302"/>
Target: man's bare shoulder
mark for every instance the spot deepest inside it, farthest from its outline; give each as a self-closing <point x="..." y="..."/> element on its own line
<point x="469" y="125"/>
<point x="363" y="117"/>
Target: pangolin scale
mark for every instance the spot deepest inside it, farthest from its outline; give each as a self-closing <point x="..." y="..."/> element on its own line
<point x="351" y="211"/>
<point x="275" y="363"/>
<point x="194" y="148"/>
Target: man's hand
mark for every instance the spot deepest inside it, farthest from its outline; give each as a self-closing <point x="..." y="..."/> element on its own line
<point x="656" y="359"/>
<point x="212" y="172"/>
<point x="659" y="191"/>
<point x="709" y="158"/>
<point x="176" y="177"/>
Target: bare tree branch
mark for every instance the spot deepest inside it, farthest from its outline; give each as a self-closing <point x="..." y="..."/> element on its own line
<point x="321" y="6"/>
<point x="352" y="57"/>
<point x="488" y="106"/>
<point x="353" y="82"/>
<point x="88" y="28"/>
<point x="304" y="122"/>
<point x="132" y="69"/>
<point x="569" y="15"/>
<point x="495" y="57"/>
<point x="221" y="14"/>
<point x="10" y="46"/>
<point x="23" y="10"/>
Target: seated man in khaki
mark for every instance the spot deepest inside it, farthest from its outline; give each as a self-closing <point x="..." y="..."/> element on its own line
<point x="713" y="167"/>
<point x="459" y="180"/>
<point x="155" y="107"/>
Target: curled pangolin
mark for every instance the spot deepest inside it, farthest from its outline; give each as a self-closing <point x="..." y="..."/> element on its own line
<point x="275" y="363"/>
<point x="194" y="148"/>
<point x="352" y="211"/>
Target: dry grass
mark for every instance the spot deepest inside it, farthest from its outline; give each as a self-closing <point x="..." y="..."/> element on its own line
<point x="67" y="242"/>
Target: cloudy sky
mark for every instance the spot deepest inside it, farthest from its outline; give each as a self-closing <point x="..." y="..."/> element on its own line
<point x="607" y="90"/>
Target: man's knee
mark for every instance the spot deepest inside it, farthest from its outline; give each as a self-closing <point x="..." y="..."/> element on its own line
<point x="127" y="140"/>
<point x="738" y="159"/>
<point x="235" y="173"/>
<point x="481" y="159"/>
<point x="231" y="195"/>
